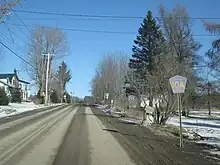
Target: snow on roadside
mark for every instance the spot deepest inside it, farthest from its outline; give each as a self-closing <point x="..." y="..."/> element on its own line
<point x="16" y="108"/>
<point x="208" y="129"/>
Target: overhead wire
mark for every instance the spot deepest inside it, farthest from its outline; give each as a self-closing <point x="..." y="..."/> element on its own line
<point x="103" y="31"/>
<point x="101" y="16"/>
<point x="21" y="22"/>
<point x="89" y="18"/>
<point x="16" y="54"/>
<point x="9" y="42"/>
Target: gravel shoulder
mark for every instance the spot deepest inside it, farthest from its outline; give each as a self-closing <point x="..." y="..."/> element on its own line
<point x="146" y="148"/>
<point x="104" y="148"/>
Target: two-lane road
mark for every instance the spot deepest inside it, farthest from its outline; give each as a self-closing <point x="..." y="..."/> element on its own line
<point x="95" y="138"/>
<point x="20" y="139"/>
<point x="85" y="136"/>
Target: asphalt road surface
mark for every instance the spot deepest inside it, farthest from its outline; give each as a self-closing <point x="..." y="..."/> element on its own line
<point x="26" y="114"/>
<point x="95" y="138"/>
<point x="85" y="136"/>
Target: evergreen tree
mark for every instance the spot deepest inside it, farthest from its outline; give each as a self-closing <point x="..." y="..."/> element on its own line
<point x="146" y="51"/>
<point x="3" y="97"/>
<point x="64" y="76"/>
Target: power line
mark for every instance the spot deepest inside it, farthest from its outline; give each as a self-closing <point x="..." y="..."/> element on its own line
<point x="16" y="54"/>
<point x="21" y="22"/>
<point x="9" y="41"/>
<point x="104" y="31"/>
<point x="100" y="16"/>
<point x="71" y="18"/>
<point x="78" y="15"/>
<point x="78" y="30"/>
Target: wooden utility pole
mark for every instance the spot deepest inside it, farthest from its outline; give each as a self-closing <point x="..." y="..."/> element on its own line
<point x="47" y="78"/>
<point x="209" y="101"/>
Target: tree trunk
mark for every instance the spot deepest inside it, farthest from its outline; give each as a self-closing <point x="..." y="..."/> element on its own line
<point x="138" y="102"/>
<point x="209" y="107"/>
<point x="151" y="98"/>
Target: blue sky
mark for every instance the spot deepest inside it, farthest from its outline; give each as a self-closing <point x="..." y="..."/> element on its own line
<point x="86" y="49"/>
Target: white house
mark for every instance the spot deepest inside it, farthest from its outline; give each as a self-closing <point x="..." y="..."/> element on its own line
<point x="10" y="81"/>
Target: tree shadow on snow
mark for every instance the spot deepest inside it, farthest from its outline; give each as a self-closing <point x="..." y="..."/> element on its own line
<point x="201" y="124"/>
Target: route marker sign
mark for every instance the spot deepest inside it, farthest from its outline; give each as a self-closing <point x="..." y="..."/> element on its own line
<point x="178" y="84"/>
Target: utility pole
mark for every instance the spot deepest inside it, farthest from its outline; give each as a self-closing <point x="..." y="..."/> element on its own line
<point x="61" y="77"/>
<point x="209" y="100"/>
<point x="47" y="78"/>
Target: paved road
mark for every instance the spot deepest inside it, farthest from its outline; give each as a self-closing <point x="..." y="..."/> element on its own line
<point x="84" y="136"/>
<point x="95" y="138"/>
<point x="26" y="114"/>
<point x="34" y="139"/>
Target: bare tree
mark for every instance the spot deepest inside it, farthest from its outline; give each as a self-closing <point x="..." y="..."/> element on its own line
<point x="179" y="57"/>
<point x="44" y="41"/>
<point x="213" y="53"/>
<point x="109" y="76"/>
<point x="6" y="7"/>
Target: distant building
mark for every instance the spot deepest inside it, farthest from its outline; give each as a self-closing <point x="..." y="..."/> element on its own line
<point x="10" y="81"/>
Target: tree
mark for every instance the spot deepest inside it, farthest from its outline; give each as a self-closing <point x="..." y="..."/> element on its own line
<point x="147" y="47"/>
<point x="44" y="41"/>
<point x="3" y="97"/>
<point x="146" y="52"/>
<point x="6" y="7"/>
<point x="109" y="78"/>
<point x="54" y="97"/>
<point x="213" y="61"/>
<point x="179" y="57"/>
<point x="63" y="76"/>
<point x="16" y="95"/>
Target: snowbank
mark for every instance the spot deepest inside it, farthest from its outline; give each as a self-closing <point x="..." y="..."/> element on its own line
<point x="16" y="108"/>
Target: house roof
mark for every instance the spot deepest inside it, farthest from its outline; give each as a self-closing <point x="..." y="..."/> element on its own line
<point x="8" y="75"/>
<point x="22" y="81"/>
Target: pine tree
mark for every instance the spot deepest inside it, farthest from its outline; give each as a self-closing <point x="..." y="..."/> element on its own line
<point x="146" y="49"/>
<point x="64" y="76"/>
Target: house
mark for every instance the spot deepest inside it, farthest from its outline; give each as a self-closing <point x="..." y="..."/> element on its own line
<point x="10" y="81"/>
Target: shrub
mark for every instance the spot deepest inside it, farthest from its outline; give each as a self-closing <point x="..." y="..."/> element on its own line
<point x="54" y="97"/>
<point x="16" y="96"/>
<point x="3" y="97"/>
<point x="38" y="99"/>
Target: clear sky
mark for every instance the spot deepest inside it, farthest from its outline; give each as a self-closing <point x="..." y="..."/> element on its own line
<point x="86" y="49"/>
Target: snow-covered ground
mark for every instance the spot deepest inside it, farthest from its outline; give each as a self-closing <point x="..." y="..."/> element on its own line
<point x="200" y="123"/>
<point x="16" y="108"/>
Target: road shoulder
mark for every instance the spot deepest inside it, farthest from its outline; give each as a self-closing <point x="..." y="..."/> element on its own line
<point x="104" y="147"/>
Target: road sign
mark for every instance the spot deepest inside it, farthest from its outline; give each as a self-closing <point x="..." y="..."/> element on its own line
<point x="106" y="96"/>
<point x="178" y="84"/>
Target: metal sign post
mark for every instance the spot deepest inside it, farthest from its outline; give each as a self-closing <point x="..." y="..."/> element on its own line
<point x="178" y="85"/>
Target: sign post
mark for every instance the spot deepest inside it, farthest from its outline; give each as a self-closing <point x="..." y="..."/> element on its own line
<point x="106" y="97"/>
<point x="178" y="85"/>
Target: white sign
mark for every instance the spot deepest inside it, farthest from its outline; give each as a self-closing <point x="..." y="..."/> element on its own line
<point x="178" y="84"/>
<point x="106" y="95"/>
